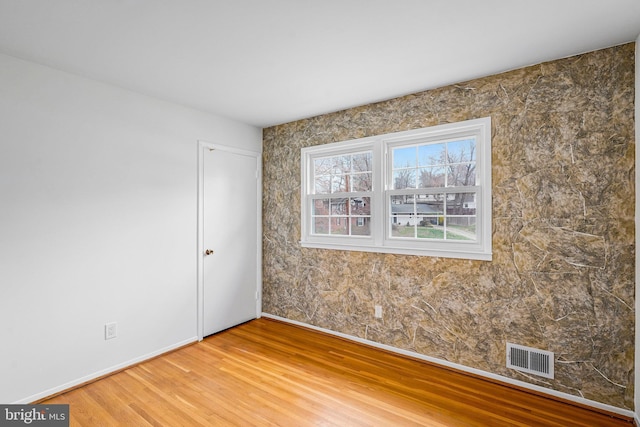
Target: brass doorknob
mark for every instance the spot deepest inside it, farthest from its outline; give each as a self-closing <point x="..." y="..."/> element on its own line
<point x="208" y="252"/>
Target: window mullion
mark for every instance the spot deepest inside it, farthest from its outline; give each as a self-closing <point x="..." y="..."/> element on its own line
<point x="378" y="211"/>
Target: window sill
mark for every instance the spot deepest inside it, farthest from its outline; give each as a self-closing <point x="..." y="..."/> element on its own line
<point x="388" y="249"/>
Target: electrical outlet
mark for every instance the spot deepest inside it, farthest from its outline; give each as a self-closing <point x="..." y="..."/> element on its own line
<point x="110" y="330"/>
<point x="378" y="312"/>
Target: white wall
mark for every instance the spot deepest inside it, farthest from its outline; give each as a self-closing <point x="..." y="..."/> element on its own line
<point x="97" y="224"/>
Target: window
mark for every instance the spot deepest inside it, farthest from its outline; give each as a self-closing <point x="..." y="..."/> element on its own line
<point x="420" y="192"/>
<point x="341" y="196"/>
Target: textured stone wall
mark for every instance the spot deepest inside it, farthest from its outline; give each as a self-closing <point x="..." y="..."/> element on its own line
<point x="562" y="275"/>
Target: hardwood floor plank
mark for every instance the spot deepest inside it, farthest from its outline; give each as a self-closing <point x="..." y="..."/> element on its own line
<point x="269" y="373"/>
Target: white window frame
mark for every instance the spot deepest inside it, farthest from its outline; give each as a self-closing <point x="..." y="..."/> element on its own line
<point x="380" y="239"/>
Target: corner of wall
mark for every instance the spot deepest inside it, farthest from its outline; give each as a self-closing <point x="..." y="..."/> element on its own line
<point x="637" y="267"/>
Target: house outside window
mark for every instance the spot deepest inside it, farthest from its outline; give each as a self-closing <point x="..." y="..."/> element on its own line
<point x="420" y="192"/>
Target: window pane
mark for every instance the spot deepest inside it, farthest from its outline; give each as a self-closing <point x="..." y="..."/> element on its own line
<point x="462" y="167"/>
<point x="361" y="182"/>
<point x="432" y="154"/>
<point x="461" y="216"/>
<point x="338" y="184"/>
<point x="401" y="226"/>
<point x="322" y="166"/>
<point x="320" y="225"/>
<point x="340" y="225"/>
<point x="429" y="209"/>
<point x="339" y="207"/>
<point x="461" y="175"/>
<point x="404" y="178"/>
<point x="430" y="220"/>
<point x="341" y="164"/>
<point x="362" y="162"/>
<point x="321" y="207"/>
<point x="461" y="204"/>
<point x="461" y="228"/>
<point x="403" y="216"/>
<point x="437" y="200"/>
<point x="361" y="226"/>
<point x="430" y="217"/>
<point x="461" y="151"/>
<point x="361" y="206"/>
<point x="404" y="157"/>
<point x="431" y="227"/>
<point x="432" y="177"/>
<point x="323" y="184"/>
<point x="340" y="174"/>
<point x="401" y="205"/>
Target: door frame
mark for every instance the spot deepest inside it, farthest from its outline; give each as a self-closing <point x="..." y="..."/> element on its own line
<point x="204" y="147"/>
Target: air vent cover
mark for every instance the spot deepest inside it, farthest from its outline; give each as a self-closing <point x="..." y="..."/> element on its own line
<point x="530" y="360"/>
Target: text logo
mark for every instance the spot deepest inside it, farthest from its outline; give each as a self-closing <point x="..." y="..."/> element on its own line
<point x="34" y="415"/>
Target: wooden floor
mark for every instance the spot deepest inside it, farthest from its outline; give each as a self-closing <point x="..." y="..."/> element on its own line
<point x="268" y="373"/>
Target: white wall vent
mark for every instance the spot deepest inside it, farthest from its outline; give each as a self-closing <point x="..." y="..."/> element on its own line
<point x="530" y="360"/>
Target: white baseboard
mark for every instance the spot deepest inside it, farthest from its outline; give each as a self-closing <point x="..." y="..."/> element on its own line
<point x="103" y="372"/>
<point x="489" y="375"/>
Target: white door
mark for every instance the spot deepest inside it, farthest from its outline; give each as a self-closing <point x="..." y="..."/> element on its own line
<point x="230" y="240"/>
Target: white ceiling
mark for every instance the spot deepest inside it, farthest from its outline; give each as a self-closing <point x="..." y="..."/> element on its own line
<point x="266" y="62"/>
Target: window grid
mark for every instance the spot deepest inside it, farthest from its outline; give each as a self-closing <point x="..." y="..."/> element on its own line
<point x="341" y="194"/>
<point x="442" y="208"/>
<point x="342" y="216"/>
<point x="444" y="215"/>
